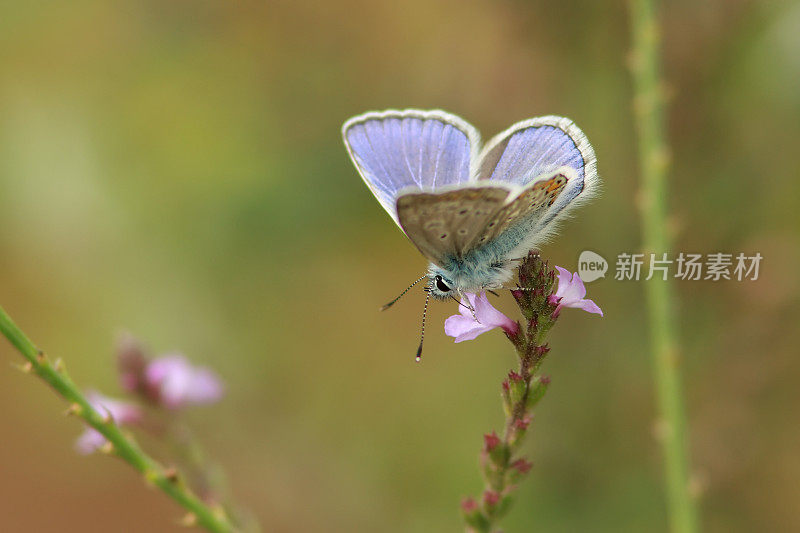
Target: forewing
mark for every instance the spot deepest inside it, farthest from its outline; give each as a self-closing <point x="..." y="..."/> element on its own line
<point x="394" y="150"/>
<point x="445" y="224"/>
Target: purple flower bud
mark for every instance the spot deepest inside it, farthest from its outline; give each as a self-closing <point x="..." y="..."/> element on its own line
<point x="174" y="382"/>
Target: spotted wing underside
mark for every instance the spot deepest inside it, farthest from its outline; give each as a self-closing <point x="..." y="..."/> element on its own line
<point x="526" y="210"/>
<point x="445" y="224"/>
<point x="450" y="224"/>
<point x="536" y="148"/>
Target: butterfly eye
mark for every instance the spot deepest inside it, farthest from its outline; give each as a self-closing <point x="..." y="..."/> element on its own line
<point x="441" y="285"/>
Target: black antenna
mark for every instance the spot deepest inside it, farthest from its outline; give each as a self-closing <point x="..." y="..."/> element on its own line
<point x="424" y="314"/>
<point x="387" y="306"/>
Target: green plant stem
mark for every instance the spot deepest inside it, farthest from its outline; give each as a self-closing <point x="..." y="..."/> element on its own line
<point x="653" y="160"/>
<point x="497" y="466"/>
<point x="121" y="445"/>
<point x="502" y="466"/>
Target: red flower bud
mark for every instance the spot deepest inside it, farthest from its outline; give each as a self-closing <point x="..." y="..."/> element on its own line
<point x="469" y="505"/>
<point x="541" y="350"/>
<point x="522" y="466"/>
<point x="491" y="441"/>
<point x="513" y="376"/>
<point x="523" y="423"/>
<point x="491" y="498"/>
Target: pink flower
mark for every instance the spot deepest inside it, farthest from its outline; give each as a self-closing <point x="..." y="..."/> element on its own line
<point x="174" y="382"/>
<point x="464" y="327"/>
<point x="122" y="413"/>
<point x="571" y="293"/>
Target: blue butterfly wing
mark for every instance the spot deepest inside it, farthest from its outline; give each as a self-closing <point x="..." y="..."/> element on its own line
<point x="396" y="150"/>
<point x="532" y="148"/>
<point x="528" y="153"/>
<point x="542" y="168"/>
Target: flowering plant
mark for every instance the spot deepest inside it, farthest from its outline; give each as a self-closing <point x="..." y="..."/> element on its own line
<point x="540" y="301"/>
<point x="171" y="383"/>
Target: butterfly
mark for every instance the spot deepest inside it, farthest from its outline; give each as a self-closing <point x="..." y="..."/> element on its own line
<point x="472" y="211"/>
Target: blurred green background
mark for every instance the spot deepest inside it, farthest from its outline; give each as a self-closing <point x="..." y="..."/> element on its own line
<point x="175" y="169"/>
